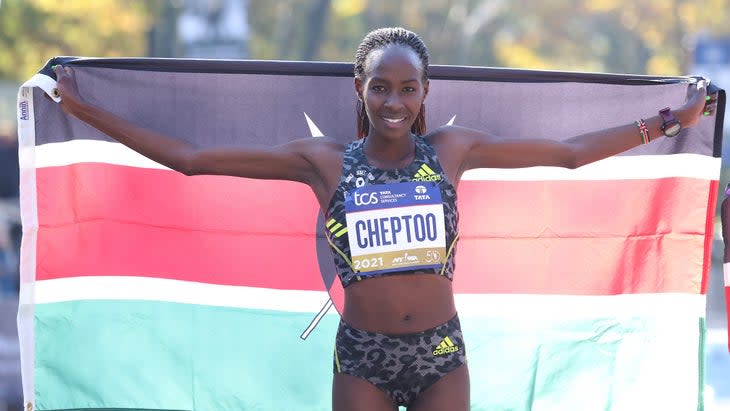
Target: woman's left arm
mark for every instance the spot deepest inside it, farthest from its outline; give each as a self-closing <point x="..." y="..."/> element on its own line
<point x="484" y="150"/>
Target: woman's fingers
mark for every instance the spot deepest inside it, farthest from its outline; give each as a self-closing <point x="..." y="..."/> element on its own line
<point x="710" y="104"/>
<point x="61" y="71"/>
<point x="698" y="102"/>
<point x="65" y="90"/>
<point x="701" y="89"/>
<point x="64" y="80"/>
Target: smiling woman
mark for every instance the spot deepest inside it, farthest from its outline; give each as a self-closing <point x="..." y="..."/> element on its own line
<point x="394" y="89"/>
<point x="389" y="200"/>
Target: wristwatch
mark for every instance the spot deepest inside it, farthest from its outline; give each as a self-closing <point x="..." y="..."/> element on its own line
<point x="671" y="126"/>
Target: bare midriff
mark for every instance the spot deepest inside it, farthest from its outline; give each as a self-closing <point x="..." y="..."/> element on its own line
<point x="399" y="304"/>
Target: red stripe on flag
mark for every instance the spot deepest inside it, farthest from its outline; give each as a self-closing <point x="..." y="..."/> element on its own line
<point x="100" y="219"/>
<point x="583" y="237"/>
<point x="104" y="248"/>
<point x="162" y="198"/>
<point x="610" y="237"/>
<point x="709" y="234"/>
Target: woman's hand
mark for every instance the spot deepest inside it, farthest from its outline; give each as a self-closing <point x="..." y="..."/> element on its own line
<point x="66" y="88"/>
<point x="698" y="103"/>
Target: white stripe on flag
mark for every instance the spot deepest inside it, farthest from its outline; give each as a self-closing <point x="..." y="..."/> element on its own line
<point x="613" y="168"/>
<point x="486" y="305"/>
<point x="91" y="151"/>
<point x="537" y="306"/>
<point x="187" y="292"/>
<point x="726" y="271"/>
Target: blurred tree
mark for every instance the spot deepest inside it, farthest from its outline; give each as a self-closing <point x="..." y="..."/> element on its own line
<point x="626" y="36"/>
<point x="317" y="18"/>
<point x="32" y="31"/>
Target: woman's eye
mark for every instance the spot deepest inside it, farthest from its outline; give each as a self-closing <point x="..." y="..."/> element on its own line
<point x="377" y="89"/>
<point x="409" y="89"/>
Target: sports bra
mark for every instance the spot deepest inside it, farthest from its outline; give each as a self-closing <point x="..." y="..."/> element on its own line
<point x="386" y="222"/>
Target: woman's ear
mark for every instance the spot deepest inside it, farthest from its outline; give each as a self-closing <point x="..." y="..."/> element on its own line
<point x="358" y="88"/>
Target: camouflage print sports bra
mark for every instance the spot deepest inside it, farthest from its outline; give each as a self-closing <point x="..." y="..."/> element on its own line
<point x="387" y="222"/>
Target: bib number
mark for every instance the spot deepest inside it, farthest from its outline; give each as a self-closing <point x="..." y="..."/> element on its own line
<point x="395" y="227"/>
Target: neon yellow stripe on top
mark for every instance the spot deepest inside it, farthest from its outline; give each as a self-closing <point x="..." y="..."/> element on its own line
<point x="451" y="249"/>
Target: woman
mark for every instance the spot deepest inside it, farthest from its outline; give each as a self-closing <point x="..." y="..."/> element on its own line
<point x="390" y="206"/>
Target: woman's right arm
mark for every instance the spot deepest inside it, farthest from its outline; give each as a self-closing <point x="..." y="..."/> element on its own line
<point x="291" y="161"/>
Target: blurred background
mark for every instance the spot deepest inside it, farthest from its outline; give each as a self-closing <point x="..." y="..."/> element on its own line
<point x="659" y="37"/>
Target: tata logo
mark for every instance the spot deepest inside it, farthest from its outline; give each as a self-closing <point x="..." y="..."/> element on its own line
<point x="421" y="193"/>
<point x="24" y="112"/>
<point x="362" y="199"/>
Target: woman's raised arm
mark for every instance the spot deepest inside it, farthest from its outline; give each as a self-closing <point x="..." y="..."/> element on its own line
<point x="292" y="161"/>
<point x="484" y="150"/>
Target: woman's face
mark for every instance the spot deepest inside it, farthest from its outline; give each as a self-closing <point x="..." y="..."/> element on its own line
<point x="392" y="90"/>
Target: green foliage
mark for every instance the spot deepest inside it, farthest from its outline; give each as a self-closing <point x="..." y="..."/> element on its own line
<point x="32" y="31"/>
<point x="627" y="36"/>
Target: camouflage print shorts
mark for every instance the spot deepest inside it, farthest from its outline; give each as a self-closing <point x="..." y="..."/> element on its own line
<point x="401" y="365"/>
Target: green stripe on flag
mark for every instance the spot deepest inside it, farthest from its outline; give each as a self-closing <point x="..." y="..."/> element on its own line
<point x="160" y="355"/>
<point x="632" y="363"/>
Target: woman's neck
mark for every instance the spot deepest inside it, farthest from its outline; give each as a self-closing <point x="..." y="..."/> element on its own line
<point x="389" y="153"/>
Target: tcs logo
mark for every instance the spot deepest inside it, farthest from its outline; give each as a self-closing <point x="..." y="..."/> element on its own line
<point x="366" y="198"/>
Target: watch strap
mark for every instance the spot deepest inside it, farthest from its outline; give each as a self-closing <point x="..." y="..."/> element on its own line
<point x="667" y="115"/>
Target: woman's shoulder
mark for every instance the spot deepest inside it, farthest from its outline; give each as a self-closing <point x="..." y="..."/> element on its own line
<point x="323" y="145"/>
<point x="326" y="153"/>
<point x="335" y="146"/>
<point x="454" y="143"/>
<point x="448" y="134"/>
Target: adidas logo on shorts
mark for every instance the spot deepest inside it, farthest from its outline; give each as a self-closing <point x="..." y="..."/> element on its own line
<point x="445" y="347"/>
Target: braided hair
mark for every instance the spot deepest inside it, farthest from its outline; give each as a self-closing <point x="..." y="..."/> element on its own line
<point x="378" y="39"/>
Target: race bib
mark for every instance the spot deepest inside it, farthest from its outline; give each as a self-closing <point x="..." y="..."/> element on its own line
<point x="395" y="227"/>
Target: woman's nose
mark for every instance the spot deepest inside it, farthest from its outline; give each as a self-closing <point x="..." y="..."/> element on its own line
<point x="393" y="100"/>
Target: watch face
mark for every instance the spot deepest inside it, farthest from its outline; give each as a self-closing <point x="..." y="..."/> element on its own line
<point x="672" y="129"/>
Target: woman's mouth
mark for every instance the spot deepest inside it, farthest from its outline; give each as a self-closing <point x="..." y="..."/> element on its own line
<point x="393" y="120"/>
